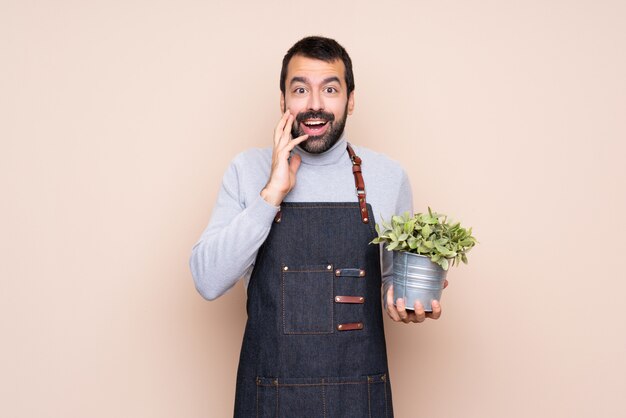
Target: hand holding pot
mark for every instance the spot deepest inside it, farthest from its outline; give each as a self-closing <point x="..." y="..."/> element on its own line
<point x="398" y="313"/>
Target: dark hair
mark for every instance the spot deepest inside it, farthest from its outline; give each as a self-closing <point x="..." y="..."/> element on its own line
<point x="320" y="48"/>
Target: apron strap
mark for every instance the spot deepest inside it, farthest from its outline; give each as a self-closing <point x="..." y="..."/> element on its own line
<point x="360" y="184"/>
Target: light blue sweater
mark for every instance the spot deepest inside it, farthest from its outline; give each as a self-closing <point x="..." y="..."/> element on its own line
<point x="241" y="219"/>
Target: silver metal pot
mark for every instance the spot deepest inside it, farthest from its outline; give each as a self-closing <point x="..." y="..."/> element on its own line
<point x="415" y="277"/>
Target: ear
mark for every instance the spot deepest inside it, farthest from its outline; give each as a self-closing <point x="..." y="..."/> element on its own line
<point x="282" y="102"/>
<point x="351" y="102"/>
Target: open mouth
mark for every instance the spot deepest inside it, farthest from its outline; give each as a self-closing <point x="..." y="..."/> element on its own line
<point x="314" y="127"/>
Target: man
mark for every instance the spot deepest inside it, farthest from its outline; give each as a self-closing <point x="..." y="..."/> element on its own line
<point x="288" y="221"/>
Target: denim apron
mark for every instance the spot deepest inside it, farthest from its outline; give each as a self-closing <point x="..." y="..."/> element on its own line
<point x="314" y="344"/>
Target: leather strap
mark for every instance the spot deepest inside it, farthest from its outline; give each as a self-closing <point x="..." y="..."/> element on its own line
<point x="350" y="326"/>
<point x="279" y="216"/>
<point x="349" y="299"/>
<point x="360" y="184"/>
<point x="350" y="272"/>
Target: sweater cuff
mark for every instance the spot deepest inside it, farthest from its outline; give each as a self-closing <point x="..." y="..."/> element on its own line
<point x="263" y="210"/>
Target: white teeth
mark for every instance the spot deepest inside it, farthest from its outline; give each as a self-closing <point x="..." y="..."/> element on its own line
<point x="314" y="123"/>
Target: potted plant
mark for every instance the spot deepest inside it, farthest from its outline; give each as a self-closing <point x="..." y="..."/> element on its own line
<point x="425" y="245"/>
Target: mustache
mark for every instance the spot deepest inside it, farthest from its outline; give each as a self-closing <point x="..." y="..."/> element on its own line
<point x="315" y="114"/>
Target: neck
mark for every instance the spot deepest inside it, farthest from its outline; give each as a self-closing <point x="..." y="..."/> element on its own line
<point x="330" y="156"/>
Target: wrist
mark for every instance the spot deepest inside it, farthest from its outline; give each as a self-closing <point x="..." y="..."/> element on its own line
<point x="272" y="196"/>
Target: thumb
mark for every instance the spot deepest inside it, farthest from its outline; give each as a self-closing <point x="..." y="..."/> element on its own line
<point x="390" y="295"/>
<point x="294" y="164"/>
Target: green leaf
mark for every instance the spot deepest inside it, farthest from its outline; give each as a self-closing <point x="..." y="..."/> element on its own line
<point x="442" y="250"/>
<point x="444" y="263"/>
<point x="409" y="226"/>
<point x="391" y="246"/>
<point x="423" y="250"/>
<point x="426" y="231"/>
<point x="403" y="237"/>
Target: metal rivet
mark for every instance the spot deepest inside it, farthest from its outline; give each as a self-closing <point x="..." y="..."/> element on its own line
<point x="361" y="299"/>
<point x="276" y="382"/>
<point x="278" y="220"/>
<point x="337" y="298"/>
<point x="383" y="377"/>
<point x="329" y="267"/>
<point x="360" y="326"/>
<point x="285" y="268"/>
<point x="361" y="273"/>
<point x="365" y="220"/>
<point x="337" y="272"/>
<point x="339" y="327"/>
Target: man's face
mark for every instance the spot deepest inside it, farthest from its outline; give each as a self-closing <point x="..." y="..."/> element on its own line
<point x="316" y="94"/>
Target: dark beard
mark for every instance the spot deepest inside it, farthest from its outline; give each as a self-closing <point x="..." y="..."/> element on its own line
<point x="321" y="143"/>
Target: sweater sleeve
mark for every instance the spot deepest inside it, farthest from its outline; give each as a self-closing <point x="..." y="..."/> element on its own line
<point x="228" y="246"/>
<point x="404" y="203"/>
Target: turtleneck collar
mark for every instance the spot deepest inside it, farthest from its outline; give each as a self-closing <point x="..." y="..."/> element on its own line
<point x="331" y="156"/>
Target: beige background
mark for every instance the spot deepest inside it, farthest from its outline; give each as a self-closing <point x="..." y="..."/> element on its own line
<point x="118" y="118"/>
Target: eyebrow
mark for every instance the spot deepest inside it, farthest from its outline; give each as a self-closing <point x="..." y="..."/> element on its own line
<point x="306" y="81"/>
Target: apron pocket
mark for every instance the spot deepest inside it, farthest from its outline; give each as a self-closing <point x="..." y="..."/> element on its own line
<point x="361" y="396"/>
<point x="307" y="299"/>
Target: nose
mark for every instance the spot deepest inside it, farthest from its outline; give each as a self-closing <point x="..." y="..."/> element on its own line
<point x="315" y="101"/>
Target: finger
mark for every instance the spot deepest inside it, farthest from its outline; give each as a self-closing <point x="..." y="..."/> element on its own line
<point x="286" y="134"/>
<point x="390" y="296"/>
<point x="411" y="317"/>
<point x="278" y="132"/>
<point x="391" y="308"/>
<point x="420" y="315"/>
<point x="292" y="144"/>
<point x="404" y="316"/>
<point x="294" y="164"/>
<point x="445" y="283"/>
<point x="393" y="313"/>
<point x="436" y="313"/>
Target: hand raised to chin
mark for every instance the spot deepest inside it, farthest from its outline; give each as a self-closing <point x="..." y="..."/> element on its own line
<point x="283" y="173"/>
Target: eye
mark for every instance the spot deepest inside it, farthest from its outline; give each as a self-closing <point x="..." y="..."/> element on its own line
<point x="300" y="90"/>
<point x="330" y="90"/>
